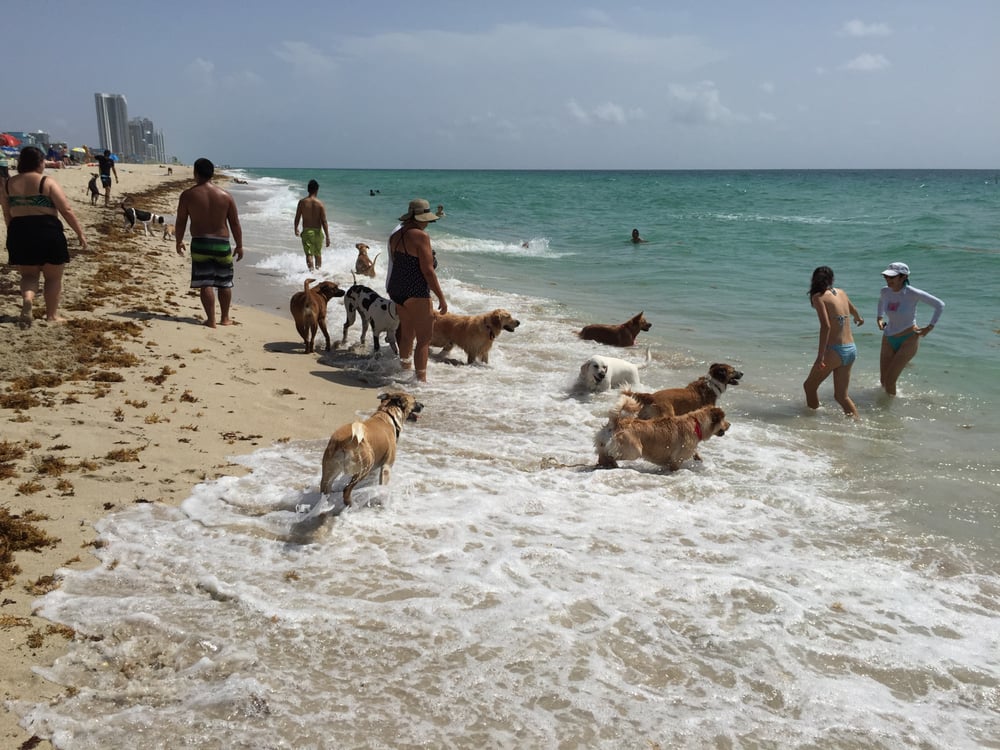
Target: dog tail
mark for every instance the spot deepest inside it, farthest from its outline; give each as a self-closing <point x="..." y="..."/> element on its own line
<point x="627" y="406"/>
<point x="358" y="432"/>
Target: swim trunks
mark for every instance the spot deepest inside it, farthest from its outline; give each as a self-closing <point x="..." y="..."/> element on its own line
<point x="211" y="263"/>
<point x="106" y="180"/>
<point x="848" y="353"/>
<point x="312" y="240"/>
<point x="36" y="241"/>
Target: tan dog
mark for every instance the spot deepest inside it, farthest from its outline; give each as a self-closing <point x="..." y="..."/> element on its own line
<point x="360" y="448"/>
<point x="472" y="333"/>
<point x="308" y="309"/>
<point x="616" y="335"/>
<point x="704" y="391"/>
<point x="665" y="441"/>
<point x="364" y="265"/>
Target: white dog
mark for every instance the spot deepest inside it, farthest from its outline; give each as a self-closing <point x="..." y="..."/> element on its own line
<point x="600" y="373"/>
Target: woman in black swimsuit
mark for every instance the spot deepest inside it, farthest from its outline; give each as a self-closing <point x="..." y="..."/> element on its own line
<point x="36" y="240"/>
<point x="410" y="284"/>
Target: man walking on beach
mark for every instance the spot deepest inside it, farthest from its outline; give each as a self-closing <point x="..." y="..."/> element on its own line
<point x="106" y="165"/>
<point x="312" y="213"/>
<point x="213" y="217"/>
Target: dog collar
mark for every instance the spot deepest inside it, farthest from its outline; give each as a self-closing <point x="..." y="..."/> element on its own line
<point x="697" y="428"/>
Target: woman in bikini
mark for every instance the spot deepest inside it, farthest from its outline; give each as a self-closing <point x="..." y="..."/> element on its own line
<point x="410" y="283"/>
<point x="897" y="319"/>
<point x="837" y="351"/>
<point x="36" y="242"/>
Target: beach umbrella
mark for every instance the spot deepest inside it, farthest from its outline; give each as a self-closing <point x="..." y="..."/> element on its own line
<point x="79" y="150"/>
<point x="6" y="139"/>
<point x="114" y="157"/>
<point x="9" y="150"/>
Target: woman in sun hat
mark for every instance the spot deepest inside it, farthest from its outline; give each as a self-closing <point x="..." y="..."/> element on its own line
<point x="411" y="280"/>
<point x="897" y="319"/>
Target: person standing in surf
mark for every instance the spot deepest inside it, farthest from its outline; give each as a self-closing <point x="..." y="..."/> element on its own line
<point x="897" y="319"/>
<point x="837" y="350"/>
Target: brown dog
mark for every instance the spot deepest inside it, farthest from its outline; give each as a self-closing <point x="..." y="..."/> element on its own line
<point x="666" y="441"/>
<point x="308" y="309"/>
<point x="704" y="391"/>
<point x="616" y="335"/>
<point x="364" y="265"/>
<point x="472" y="333"/>
<point x="359" y="448"/>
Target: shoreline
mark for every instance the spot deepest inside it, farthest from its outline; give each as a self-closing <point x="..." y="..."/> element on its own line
<point x="134" y="400"/>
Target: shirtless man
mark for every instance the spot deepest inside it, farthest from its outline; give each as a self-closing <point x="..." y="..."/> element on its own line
<point x="312" y="213"/>
<point x="213" y="217"/>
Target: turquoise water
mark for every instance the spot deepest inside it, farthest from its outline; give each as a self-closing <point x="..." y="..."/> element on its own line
<point x="813" y="582"/>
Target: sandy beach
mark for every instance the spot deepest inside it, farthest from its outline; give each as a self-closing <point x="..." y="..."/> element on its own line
<point x="134" y="400"/>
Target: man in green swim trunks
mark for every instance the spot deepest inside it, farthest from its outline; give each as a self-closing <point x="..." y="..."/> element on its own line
<point x="214" y="218"/>
<point x="312" y="213"/>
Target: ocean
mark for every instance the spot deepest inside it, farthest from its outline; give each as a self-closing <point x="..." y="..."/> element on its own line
<point x="813" y="582"/>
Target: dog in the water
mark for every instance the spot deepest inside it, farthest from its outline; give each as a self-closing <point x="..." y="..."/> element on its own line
<point x="665" y="441"/>
<point x="308" y="309"/>
<point x="376" y="312"/>
<point x="622" y="334"/>
<point x="474" y="334"/>
<point x="600" y="373"/>
<point x="359" y="448"/>
<point x="365" y="265"/>
<point x="705" y="391"/>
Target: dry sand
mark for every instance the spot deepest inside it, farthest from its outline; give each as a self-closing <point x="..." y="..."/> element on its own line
<point x="133" y="400"/>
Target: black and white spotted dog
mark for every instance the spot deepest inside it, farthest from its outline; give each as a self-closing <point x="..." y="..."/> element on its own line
<point x="133" y="216"/>
<point x="376" y="312"/>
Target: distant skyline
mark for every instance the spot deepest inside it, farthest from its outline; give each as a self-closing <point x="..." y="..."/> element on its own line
<point x="526" y="85"/>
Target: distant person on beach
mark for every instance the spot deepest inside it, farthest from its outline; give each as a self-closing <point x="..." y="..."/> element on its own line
<point x="440" y="211"/>
<point x="837" y="350"/>
<point x="213" y="217"/>
<point x="897" y="319"/>
<point x="36" y="241"/>
<point x="312" y="213"/>
<point x="636" y="239"/>
<point x="105" y="166"/>
<point x="410" y="283"/>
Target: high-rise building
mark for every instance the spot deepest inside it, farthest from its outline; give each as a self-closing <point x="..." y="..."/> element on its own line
<point x="145" y="143"/>
<point x="112" y="122"/>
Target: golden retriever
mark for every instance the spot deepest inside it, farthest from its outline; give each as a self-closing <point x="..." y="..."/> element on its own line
<point x="622" y="334"/>
<point x="474" y="334"/>
<point x="704" y="391"/>
<point x="365" y="265"/>
<point x="360" y="448"/>
<point x="665" y="441"/>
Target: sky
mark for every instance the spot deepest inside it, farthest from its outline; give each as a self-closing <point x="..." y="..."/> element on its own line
<point x="549" y="84"/>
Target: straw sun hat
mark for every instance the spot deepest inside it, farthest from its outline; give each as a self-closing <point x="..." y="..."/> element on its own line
<point x="420" y="210"/>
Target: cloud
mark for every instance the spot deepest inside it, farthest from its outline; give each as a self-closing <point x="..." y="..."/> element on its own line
<point x="866" y="63"/>
<point x="607" y="113"/>
<point x="699" y="104"/>
<point x="200" y="67"/>
<point x="767" y="87"/>
<point x="305" y="58"/>
<point x="860" y="28"/>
